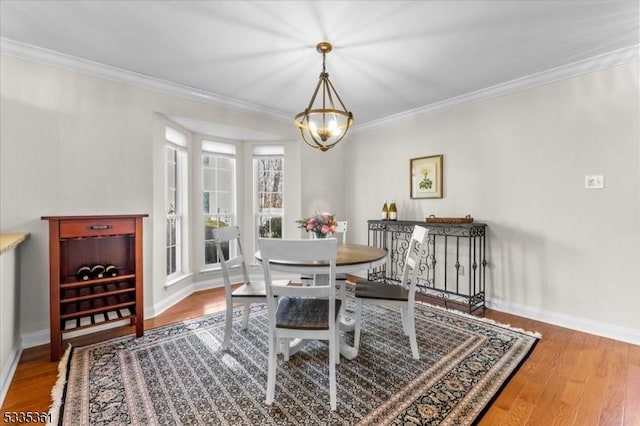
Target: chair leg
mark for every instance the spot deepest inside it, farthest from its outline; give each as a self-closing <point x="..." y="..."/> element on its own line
<point x="271" y="373"/>
<point x="337" y="339"/>
<point x="412" y="334"/>
<point x="245" y="316"/>
<point x="358" y="324"/>
<point x="227" y="327"/>
<point x="333" y="343"/>
<point x="404" y="316"/>
<point x="285" y="346"/>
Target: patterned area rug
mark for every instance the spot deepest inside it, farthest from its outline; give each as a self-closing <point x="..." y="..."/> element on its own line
<point x="178" y="374"/>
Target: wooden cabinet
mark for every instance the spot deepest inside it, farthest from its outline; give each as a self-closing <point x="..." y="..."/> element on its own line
<point x="76" y="241"/>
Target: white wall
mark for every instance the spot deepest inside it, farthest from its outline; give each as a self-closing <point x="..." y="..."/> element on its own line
<point x="517" y="162"/>
<point x="73" y="144"/>
<point x="323" y="181"/>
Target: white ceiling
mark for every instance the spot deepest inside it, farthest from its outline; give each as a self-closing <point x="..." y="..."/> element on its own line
<point x="389" y="57"/>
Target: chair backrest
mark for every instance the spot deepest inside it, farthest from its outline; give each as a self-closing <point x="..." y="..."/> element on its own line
<point x="299" y="253"/>
<point x="230" y="234"/>
<point x="416" y="252"/>
<point x="342" y="230"/>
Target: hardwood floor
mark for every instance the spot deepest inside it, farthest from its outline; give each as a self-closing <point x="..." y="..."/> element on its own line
<point x="571" y="378"/>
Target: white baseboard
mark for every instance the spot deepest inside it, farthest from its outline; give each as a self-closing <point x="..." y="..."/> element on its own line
<point x="611" y="331"/>
<point x="8" y="370"/>
<point x="167" y="302"/>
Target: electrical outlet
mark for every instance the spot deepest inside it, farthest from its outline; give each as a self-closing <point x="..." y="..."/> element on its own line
<point x="594" y="181"/>
<point x="461" y="270"/>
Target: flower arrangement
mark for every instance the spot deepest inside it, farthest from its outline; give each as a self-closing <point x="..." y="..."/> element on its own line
<point x="322" y="224"/>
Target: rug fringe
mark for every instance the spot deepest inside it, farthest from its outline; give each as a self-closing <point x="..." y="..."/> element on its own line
<point x="57" y="391"/>
<point x="535" y="334"/>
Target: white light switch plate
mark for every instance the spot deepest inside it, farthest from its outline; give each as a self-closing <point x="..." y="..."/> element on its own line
<point x="594" y="181"/>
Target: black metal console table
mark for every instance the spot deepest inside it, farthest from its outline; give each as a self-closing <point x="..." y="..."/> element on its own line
<point x="454" y="269"/>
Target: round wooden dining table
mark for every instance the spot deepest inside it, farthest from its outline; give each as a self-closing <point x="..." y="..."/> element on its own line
<point x="351" y="258"/>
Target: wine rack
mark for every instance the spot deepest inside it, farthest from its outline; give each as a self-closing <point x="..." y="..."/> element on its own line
<point x="76" y="241"/>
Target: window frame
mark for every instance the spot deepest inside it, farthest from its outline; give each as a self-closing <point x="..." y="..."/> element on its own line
<point x="267" y="153"/>
<point x="230" y="154"/>
<point x="177" y="145"/>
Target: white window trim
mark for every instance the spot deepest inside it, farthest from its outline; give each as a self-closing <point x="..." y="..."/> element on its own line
<point x="221" y="149"/>
<point x="174" y="140"/>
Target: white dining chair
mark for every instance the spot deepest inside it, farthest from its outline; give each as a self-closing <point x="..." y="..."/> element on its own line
<point x="401" y="295"/>
<point x="247" y="292"/>
<point x="301" y="312"/>
<point x="341" y="230"/>
<point x="341" y="234"/>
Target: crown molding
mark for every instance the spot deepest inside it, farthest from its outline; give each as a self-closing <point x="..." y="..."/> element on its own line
<point x="596" y="63"/>
<point x="50" y="57"/>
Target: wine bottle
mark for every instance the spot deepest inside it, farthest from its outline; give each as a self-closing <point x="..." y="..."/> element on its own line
<point x="97" y="271"/>
<point x="385" y="211"/>
<point x="83" y="273"/>
<point x="393" y="211"/>
<point x="110" y="271"/>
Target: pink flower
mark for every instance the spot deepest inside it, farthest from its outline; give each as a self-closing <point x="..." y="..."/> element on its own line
<point x="319" y="222"/>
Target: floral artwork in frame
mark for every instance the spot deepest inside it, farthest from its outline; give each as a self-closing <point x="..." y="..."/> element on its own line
<point x="426" y="177"/>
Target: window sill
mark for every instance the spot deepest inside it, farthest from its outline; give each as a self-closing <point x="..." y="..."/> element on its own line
<point x="177" y="280"/>
<point x="210" y="269"/>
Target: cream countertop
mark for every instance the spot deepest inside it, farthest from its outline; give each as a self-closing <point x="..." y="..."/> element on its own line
<point x="11" y="240"/>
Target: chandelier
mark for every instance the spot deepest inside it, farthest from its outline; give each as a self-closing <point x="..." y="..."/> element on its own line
<point x="322" y="125"/>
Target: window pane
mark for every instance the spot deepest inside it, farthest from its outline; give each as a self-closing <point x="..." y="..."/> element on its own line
<point x="224" y="203"/>
<point x="171" y="200"/>
<point x="206" y="202"/>
<point x="171" y="175"/>
<point x="209" y="181"/>
<point x="172" y="263"/>
<point x="269" y="196"/>
<point x="222" y="180"/>
<point x="223" y="163"/>
<point x="270" y="183"/>
<point x="210" y="255"/>
<point x="211" y="223"/>
<point x="171" y="232"/>
<point x="270" y="227"/>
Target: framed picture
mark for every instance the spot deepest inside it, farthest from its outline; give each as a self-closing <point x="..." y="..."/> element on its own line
<point x="425" y="177"/>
